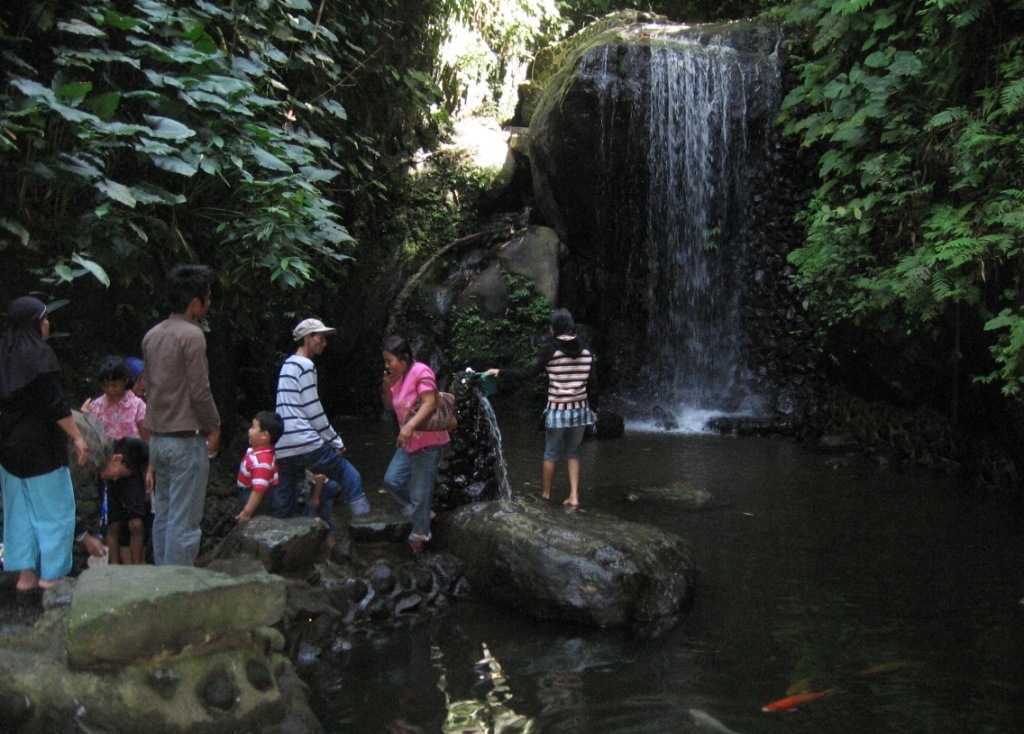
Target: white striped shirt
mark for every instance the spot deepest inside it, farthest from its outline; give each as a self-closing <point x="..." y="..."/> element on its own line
<point x="306" y="426"/>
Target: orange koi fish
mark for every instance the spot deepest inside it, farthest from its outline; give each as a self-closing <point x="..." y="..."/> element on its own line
<point x="784" y="704"/>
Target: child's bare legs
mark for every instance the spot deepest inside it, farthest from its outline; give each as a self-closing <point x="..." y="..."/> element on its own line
<point x="574" y="483"/>
<point x="28" y="579"/>
<point x="549" y="478"/>
<point x="114" y="542"/>
<point x="136" y="542"/>
<point x="318" y="486"/>
<point x="319" y="480"/>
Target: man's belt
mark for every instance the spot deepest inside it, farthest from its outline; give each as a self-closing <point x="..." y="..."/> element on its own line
<point x="193" y="433"/>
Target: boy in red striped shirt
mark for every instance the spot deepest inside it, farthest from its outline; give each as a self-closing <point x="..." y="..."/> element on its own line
<point x="257" y="474"/>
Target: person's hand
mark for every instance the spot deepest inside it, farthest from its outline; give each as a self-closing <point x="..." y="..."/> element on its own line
<point x="87" y="406"/>
<point x="243" y="516"/>
<point x="404" y="436"/>
<point x="389" y="379"/>
<point x="81" y="450"/>
<point x="342" y="451"/>
<point x="213" y="444"/>
<point x="150" y="479"/>
<point x="493" y="372"/>
<point x="94" y="545"/>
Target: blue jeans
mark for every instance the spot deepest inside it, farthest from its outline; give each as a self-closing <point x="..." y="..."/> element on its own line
<point x="410" y="481"/>
<point x="182" y="468"/>
<point x="341" y="477"/>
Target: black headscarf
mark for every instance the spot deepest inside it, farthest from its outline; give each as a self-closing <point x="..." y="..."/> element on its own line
<point x="24" y="354"/>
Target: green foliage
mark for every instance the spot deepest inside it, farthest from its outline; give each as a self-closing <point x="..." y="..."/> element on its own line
<point x="914" y="113"/>
<point x="489" y="48"/>
<point x="482" y="342"/>
<point x="176" y="131"/>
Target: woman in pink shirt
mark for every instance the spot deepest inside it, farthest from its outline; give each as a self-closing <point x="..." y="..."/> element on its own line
<point x="411" y="476"/>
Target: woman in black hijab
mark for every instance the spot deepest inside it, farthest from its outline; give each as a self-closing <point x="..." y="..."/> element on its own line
<point x="35" y="424"/>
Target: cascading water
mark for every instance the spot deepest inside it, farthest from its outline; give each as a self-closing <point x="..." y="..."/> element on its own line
<point x="494" y="433"/>
<point x="685" y="144"/>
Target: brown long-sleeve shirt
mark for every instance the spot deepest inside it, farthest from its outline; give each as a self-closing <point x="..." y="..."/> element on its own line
<point x="178" y="395"/>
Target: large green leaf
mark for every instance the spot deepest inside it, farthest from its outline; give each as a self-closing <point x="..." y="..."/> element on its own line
<point x="93" y="267"/>
<point x="81" y="28"/>
<point x="166" y="128"/>
<point x="116" y="191"/>
<point x="269" y="161"/>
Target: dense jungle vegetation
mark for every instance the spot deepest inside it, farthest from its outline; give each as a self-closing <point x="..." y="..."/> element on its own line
<point x="276" y="140"/>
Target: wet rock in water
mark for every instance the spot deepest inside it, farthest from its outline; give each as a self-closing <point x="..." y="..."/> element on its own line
<point x="380" y="526"/>
<point x="467" y="472"/>
<point x="571" y="566"/>
<point x="752" y="426"/>
<point x="664" y="419"/>
<point x="680" y="495"/>
<point x="282" y="546"/>
<point x="382" y="576"/>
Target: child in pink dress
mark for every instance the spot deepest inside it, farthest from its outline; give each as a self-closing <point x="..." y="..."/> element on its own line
<point x="121" y="413"/>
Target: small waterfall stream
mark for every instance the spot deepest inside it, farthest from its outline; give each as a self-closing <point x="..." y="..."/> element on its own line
<point x="494" y="433"/>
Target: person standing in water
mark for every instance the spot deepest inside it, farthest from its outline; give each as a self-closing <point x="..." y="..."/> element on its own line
<point x="572" y="395"/>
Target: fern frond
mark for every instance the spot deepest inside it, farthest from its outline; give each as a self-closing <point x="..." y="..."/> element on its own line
<point x="946" y="117"/>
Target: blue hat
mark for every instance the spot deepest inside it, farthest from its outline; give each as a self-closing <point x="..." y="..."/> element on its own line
<point x="135" y="367"/>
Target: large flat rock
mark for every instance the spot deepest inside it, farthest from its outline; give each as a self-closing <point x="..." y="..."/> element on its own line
<point x="124" y="614"/>
<point x="572" y="566"/>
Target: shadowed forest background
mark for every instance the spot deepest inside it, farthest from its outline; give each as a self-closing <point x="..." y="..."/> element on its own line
<point x="301" y="148"/>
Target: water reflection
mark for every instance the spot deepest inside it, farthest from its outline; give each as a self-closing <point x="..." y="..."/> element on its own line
<point x="897" y="592"/>
<point x="489" y="708"/>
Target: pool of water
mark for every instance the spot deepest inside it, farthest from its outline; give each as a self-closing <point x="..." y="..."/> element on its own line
<point x="898" y="593"/>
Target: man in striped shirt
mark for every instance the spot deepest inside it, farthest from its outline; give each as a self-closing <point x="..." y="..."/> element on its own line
<point x="309" y="442"/>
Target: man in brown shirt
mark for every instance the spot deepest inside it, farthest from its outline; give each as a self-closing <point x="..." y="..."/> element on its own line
<point x="181" y="416"/>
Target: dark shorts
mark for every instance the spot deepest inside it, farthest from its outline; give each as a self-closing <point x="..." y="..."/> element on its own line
<point x="126" y="498"/>
<point x="563" y="443"/>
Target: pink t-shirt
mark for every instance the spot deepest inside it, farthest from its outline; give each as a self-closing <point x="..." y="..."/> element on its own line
<point x="418" y="378"/>
<point x="120" y="419"/>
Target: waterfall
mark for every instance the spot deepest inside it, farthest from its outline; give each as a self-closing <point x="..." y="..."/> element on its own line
<point x="687" y="126"/>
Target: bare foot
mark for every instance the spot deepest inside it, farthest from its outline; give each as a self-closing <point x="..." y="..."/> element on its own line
<point x="416" y="545"/>
<point x="50" y="583"/>
<point x="27" y="580"/>
<point x="571" y="502"/>
<point x="546" y="497"/>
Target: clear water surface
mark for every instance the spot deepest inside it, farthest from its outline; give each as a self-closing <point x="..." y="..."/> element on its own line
<point x="899" y="593"/>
